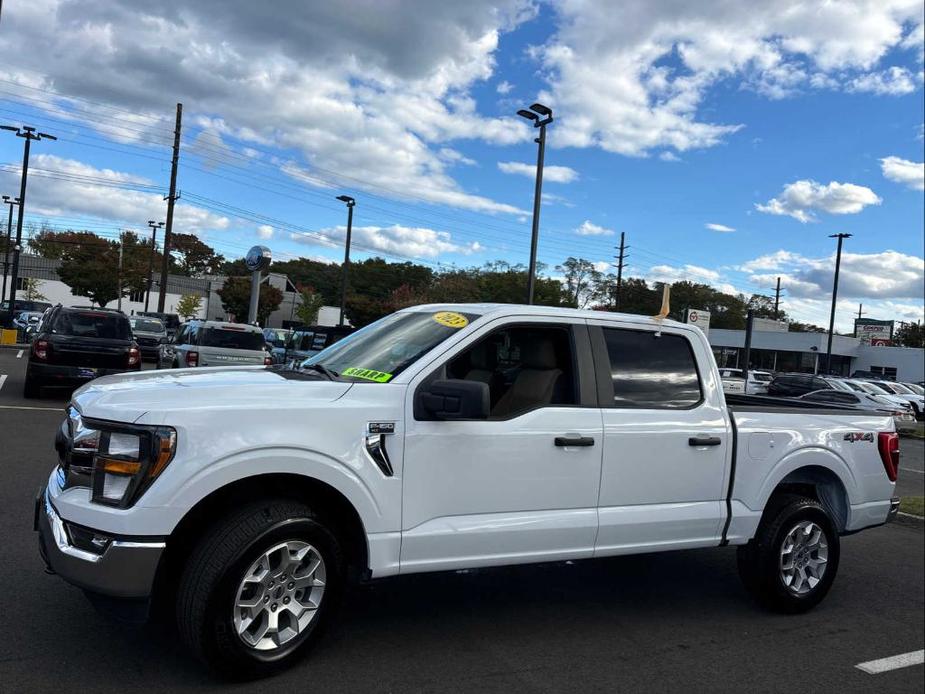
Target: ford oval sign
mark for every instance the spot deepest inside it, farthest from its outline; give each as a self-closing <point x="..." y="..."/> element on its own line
<point x="258" y="258"/>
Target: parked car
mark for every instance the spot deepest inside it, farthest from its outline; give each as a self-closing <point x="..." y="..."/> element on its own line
<point x="277" y="338"/>
<point x="863" y="386"/>
<point x="795" y="385"/>
<point x="445" y="437"/>
<point x="307" y="341"/>
<point x="150" y="334"/>
<point x="27" y="319"/>
<point x="903" y="418"/>
<point x="171" y="321"/>
<point x="21" y="305"/>
<point x="915" y="388"/>
<point x="758" y="381"/>
<point x="217" y="343"/>
<point x="899" y="390"/>
<point x="74" y="345"/>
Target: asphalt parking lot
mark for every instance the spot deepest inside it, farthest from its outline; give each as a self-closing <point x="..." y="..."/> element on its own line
<point x="662" y="622"/>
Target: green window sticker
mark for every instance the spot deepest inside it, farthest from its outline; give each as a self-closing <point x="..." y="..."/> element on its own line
<point x="367" y="374"/>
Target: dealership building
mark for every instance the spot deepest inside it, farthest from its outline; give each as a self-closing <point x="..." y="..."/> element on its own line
<point x="776" y="349"/>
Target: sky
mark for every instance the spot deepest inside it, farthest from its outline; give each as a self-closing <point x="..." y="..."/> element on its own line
<point x="726" y="140"/>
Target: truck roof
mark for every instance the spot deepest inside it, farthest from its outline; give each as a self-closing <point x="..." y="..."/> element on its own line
<point x="486" y="309"/>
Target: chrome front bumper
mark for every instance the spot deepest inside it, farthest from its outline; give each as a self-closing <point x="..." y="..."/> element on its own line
<point x="123" y="568"/>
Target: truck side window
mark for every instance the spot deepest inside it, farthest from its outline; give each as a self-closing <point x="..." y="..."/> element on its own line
<point x="525" y="367"/>
<point x="652" y="372"/>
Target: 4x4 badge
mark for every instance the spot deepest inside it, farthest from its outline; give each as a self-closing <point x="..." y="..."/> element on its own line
<point x="853" y="436"/>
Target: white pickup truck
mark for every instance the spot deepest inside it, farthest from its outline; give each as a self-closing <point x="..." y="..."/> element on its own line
<point x="443" y="437"/>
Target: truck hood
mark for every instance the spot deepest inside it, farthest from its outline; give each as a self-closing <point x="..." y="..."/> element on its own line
<point x="162" y="394"/>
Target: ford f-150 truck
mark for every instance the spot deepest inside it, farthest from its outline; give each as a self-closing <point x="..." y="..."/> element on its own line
<point x="443" y="437"/>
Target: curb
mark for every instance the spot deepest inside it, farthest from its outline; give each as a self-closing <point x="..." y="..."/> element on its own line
<point x="909" y="520"/>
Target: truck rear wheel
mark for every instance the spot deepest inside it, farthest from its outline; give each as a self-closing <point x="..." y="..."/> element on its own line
<point x="791" y="563"/>
<point x="259" y="587"/>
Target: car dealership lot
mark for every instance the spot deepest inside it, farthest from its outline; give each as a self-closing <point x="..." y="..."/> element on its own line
<point x="663" y="622"/>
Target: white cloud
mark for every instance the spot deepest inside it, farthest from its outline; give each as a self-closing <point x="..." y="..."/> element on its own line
<point x="802" y="198"/>
<point x="911" y="174"/>
<point x="554" y="174"/>
<point x="685" y="273"/>
<point x="451" y="156"/>
<point x="712" y="226"/>
<point x="631" y="78"/>
<point x="773" y="261"/>
<point x="588" y="228"/>
<point x="669" y="156"/>
<point x="78" y="195"/>
<point x="408" y="242"/>
<point x="265" y="231"/>
<point x="504" y="87"/>
<point x="893" y="82"/>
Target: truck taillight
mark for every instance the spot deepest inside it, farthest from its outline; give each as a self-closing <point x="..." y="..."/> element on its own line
<point x="40" y="349"/>
<point x="888" y="444"/>
<point x="192" y="358"/>
<point x="134" y="356"/>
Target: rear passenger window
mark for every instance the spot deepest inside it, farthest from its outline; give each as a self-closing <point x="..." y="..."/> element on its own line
<point x="652" y="372"/>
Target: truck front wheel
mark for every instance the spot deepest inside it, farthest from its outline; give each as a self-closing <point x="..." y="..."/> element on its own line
<point x="259" y="587"/>
<point x="791" y="563"/>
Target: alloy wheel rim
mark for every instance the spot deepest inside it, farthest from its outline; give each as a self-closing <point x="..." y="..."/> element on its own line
<point x="279" y="595"/>
<point x="804" y="555"/>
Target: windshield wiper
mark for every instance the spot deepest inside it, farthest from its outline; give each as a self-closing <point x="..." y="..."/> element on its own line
<point x="322" y="369"/>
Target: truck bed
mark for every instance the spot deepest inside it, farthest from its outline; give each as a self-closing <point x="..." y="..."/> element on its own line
<point x="738" y="402"/>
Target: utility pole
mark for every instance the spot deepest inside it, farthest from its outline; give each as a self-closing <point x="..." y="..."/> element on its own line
<point x="860" y="311"/>
<point x="28" y="134"/>
<point x="171" y="199"/>
<point x="777" y="301"/>
<point x="541" y="116"/>
<point x="119" y="284"/>
<point x="747" y="355"/>
<point x="154" y="227"/>
<point x="828" y="349"/>
<point x="349" y="202"/>
<point x="9" y="240"/>
<point x="620" y="258"/>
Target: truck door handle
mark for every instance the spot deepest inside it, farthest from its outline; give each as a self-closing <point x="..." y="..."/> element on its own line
<point x="704" y="441"/>
<point x="574" y="441"/>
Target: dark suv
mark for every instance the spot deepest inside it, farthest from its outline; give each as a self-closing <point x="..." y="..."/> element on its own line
<point x="794" y="385"/>
<point x="74" y="345"/>
<point x="171" y="321"/>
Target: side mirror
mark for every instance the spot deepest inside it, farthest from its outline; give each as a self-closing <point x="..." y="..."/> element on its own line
<point x="452" y="399"/>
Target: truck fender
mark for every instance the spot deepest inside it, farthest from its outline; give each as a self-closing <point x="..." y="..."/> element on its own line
<point x="806" y="459"/>
<point x="283" y="460"/>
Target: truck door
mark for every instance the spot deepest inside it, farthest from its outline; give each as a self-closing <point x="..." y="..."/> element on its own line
<point x="666" y="444"/>
<point x="521" y="485"/>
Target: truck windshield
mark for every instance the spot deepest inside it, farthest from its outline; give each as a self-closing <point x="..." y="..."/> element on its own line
<point x="382" y="350"/>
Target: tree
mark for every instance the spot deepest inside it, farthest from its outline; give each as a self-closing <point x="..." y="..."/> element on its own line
<point x="89" y="267"/>
<point x="363" y="310"/>
<point x="191" y="257"/>
<point x="236" y="296"/>
<point x="189" y="305"/>
<point x="31" y="289"/>
<point x="910" y="335"/>
<point x="798" y="327"/>
<point x="309" y="306"/>
<point x="581" y="279"/>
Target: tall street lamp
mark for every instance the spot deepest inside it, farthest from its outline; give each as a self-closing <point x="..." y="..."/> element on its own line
<point x="154" y="227"/>
<point x="828" y="349"/>
<point x="350" y="202"/>
<point x="9" y="240"/>
<point x="541" y="116"/>
<point x="28" y="134"/>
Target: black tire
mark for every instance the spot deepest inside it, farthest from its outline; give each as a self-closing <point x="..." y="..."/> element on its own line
<point x="760" y="560"/>
<point x="31" y="388"/>
<point x="209" y="584"/>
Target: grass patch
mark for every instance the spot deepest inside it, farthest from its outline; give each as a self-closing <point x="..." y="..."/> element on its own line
<point x="913" y="505"/>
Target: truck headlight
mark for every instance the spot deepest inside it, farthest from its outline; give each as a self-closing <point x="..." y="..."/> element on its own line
<point x="128" y="460"/>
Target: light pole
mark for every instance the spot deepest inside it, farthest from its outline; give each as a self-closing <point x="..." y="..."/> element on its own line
<point x="541" y="117"/>
<point x="828" y="349"/>
<point x="154" y="227"/>
<point x="9" y="239"/>
<point x="28" y="134"/>
<point x="350" y="202"/>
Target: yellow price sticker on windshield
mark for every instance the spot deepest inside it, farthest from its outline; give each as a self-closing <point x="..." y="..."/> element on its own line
<point x="451" y="319"/>
<point x="367" y="374"/>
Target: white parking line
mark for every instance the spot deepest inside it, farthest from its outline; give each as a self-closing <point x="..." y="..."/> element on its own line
<point x="19" y="354"/>
<point x="25" y="407"/>
<point x="875" y="667"/>
<point x="909" y="469"/>
<point x="2" y="380"/>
